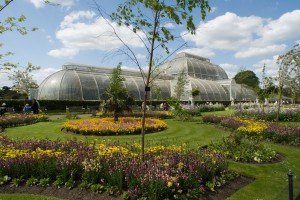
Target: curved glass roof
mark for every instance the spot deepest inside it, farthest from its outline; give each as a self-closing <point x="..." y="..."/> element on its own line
<point x="76" y="83"/>
<point x="194" y="66"/>
<point x="209" y="90"/>
<point x="86" y="82"/>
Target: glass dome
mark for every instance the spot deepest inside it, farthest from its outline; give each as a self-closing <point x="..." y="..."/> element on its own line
<point x="209" y="90"/>
<point x="82" y="82"/>
<point x="194" y="66"/>
<point x="86" y="82"/>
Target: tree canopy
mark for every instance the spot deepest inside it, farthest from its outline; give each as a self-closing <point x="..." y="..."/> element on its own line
<point x="116" y="95"/>
<point x="247" y="77"/>
<point x="148" y="18"/>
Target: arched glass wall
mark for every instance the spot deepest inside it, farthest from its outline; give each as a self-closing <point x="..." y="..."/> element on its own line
<point x="73" y="84"/>
<point x="194" y="66"/>
<point x="85" y="82"/>
<point x="209" y="90"/>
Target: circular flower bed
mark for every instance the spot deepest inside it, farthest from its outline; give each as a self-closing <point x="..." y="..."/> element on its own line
<point x="106" y="126"/>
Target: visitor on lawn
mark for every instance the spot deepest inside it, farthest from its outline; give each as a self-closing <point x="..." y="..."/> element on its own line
<point x="35" y="107"/>
<point x="3" y="109"/>
<point x="27" y="109"/>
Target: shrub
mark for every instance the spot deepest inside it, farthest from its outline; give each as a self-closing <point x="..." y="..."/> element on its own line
<point x="19" y="120"/>
<point x="237" y="148"/>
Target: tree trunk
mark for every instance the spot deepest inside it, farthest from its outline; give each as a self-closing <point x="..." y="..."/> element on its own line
<point x="147" y="85"/>
<point x="279" y="104"/>
<point x="116" y="116"/>
<point x="143" y="125"/>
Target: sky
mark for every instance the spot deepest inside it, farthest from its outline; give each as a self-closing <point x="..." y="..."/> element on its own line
<point x="236" y="35"/>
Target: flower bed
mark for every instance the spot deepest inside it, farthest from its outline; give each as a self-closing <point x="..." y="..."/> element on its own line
<point x="258" y="129"/>
<point x="106" y="126"/>
<point x="270" y="113"/>
<point x="237" y="148"/>
<point x="19" y="119"/>
<point x="167" y="172"/>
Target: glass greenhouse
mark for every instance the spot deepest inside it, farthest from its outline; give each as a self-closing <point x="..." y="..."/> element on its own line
<point x="85" y="82"/>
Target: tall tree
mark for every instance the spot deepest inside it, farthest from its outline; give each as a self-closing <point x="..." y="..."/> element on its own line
<point x="116" y="95"/>
<point x="23" y="80"/>
<point x="292" y="59"/>
<point x="148" y="17"/>
<point x="288" y="72"/>
<point x="179" y="88"/>
<point x="247" y="77"/>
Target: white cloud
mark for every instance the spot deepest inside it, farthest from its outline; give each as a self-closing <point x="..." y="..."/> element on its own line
<point x="248" y="36"/>
<point x="204" y="52"/>
<point x="230" y="74"/>
<point x="271" y="68"/>
<point x="63" y="52"/>
<point x="260" y="51"/>
<point x="168" y="25"/>
<point x="227" y="66"/>
<point x="83" y="31"/>
<point x="213" y="9"/>
<point x="230" y="69"/>
<point x="140" y="56"/>
<point x="4" y="80"/>
<point x="41" y="3"/>
<point x="287" y="26"/>
<point x="41" y="74"/>
<point x="228" y="32"/>
<point x="49" y="38"/>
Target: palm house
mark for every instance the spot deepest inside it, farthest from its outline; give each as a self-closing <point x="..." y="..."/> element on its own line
<point x="85" y="82"/>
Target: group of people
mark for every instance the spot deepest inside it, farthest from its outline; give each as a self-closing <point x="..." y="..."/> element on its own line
<point x="34" y="108"/>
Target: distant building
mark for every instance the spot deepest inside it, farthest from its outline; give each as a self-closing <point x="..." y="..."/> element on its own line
<point x="85" y="82"/>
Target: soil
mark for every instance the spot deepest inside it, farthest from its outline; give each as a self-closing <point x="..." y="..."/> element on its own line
<point x="77" y="194"/>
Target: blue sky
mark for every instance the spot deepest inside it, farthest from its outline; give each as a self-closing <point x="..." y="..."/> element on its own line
<point x="237" y="34"/>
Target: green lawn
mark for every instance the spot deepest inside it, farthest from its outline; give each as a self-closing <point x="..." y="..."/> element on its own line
<point x="270" y="179"/>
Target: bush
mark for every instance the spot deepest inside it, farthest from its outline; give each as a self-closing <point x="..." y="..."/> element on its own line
<point x="258" y="130"/>
<point x="237" y="148"/>
<point x="20" y="119"/>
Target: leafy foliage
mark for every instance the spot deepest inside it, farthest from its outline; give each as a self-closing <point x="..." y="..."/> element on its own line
<point x="247" y="77"/>
<point x="116" y="95"/>
<point x="133" y="14"/>
<point x="8" y="25"/>
<point x="179" y="88"/>
<point x="23" y="81"/>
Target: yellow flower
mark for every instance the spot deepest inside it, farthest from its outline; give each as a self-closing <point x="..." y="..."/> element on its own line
<point x="170" y="184"/>
<point x="180" y="166"/>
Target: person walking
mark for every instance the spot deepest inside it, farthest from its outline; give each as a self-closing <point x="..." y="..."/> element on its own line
<point x="35" y="107"/>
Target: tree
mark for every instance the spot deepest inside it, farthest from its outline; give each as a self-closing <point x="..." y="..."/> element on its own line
<point x="116" y="95"/>
<point x="247" y="77"/>
<point x="195" y="92"/>
<point x="23" y="81"/>
<point x="10" y="24"/>
<point x="288" y="73"/>
<point x="292" y="59"/>
<point x="148" y="17"/>
<point x="179" y="88"/>
<point x="267" y="85"/>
